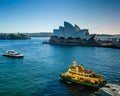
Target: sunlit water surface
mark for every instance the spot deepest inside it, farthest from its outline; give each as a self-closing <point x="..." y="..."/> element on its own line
<point x="37" y="74"/>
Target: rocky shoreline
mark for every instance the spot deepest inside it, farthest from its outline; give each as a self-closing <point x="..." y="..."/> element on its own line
<point x="91" y="45"/>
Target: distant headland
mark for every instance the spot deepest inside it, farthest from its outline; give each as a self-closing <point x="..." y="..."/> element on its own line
<point x="12" y="36"/>
<point x="38" y="34"/>
<point x="15" y="36"/>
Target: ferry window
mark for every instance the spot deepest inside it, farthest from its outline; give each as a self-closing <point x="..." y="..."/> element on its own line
<point x="95" y="82"/>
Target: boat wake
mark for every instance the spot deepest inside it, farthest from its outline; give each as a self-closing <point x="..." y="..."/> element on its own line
<point x="111" y="89"/>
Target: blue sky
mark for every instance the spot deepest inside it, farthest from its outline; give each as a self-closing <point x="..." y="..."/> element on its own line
<point x="99" y="16"/>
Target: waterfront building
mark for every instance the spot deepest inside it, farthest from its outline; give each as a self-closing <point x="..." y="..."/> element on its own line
<point x="74" y="35"/>
<point x="70" y="31"/>
<point x="71" y="34"/>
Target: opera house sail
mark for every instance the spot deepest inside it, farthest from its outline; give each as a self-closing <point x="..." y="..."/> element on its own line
<point x="71" y="35"/>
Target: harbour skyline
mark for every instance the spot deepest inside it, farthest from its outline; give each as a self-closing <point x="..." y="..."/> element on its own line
<point x="99" y="16"/>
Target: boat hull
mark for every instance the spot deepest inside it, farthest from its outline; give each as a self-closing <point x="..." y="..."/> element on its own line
<point x="13" y="56"/>
<point x="85" y="85"/>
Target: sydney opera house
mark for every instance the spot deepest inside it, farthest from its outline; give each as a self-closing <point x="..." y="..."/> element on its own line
<point x="70" y="34"/>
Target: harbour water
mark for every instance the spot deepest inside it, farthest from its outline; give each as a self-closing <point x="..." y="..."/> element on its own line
<point x="37" y="74"/>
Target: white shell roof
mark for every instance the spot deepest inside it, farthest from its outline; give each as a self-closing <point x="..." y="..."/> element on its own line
<point x="72" y="31"/>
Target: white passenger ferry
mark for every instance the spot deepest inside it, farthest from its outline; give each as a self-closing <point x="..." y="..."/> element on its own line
<point x="13" y="53"/>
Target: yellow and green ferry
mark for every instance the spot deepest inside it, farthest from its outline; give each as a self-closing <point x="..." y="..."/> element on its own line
<point x="77" y="74"/>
